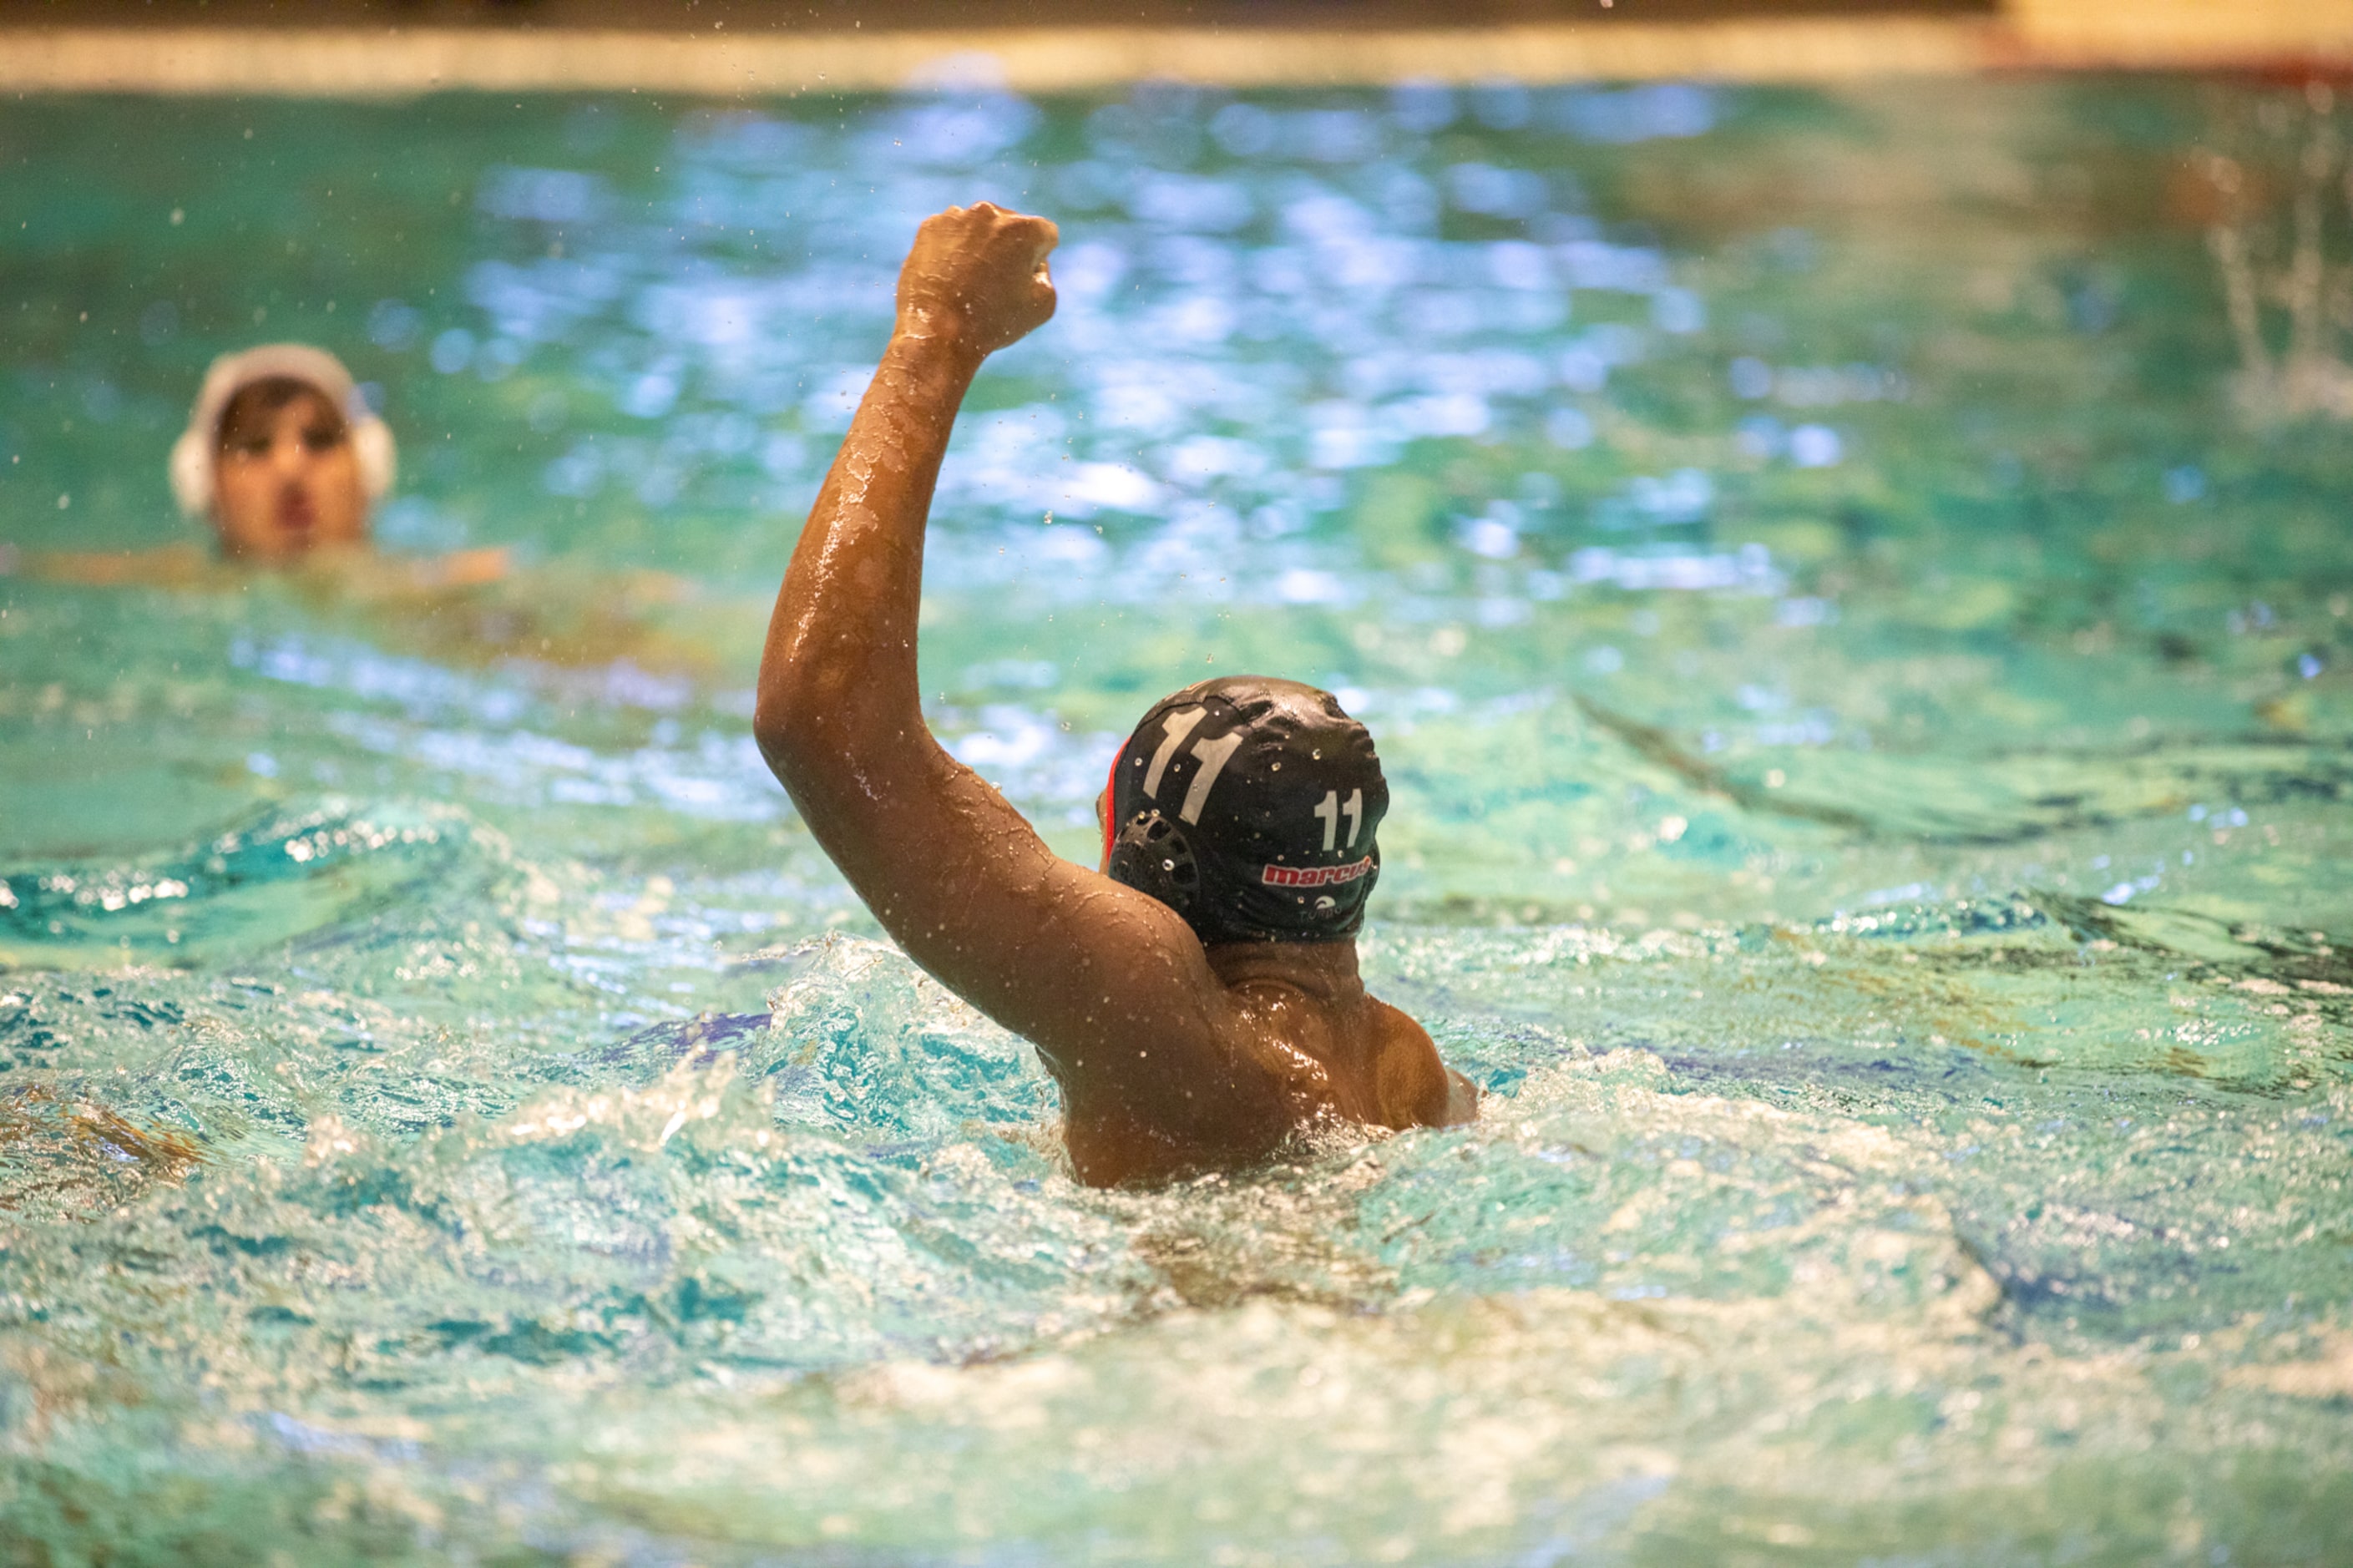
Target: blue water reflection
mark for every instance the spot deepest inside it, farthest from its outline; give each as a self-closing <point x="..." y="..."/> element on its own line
<point x="1247" y="316"/>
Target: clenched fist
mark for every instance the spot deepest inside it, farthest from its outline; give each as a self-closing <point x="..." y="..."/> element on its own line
<point x="976" y="277"/>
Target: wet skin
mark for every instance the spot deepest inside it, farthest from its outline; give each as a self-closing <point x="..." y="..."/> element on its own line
<point x="1172" y="1057"/>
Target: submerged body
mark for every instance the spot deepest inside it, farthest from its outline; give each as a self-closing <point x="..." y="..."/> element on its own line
<point x="1172" y="1056"/>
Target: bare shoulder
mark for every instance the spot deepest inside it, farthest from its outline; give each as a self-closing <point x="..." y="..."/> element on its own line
<point x="1416" y="1088"/>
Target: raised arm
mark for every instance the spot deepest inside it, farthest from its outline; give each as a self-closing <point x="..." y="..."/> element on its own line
<point x="1088" y="970"/>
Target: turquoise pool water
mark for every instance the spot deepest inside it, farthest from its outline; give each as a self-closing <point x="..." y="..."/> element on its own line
<point x="1860" y="646"/>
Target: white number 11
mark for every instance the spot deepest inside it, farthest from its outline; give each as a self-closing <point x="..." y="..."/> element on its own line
<point x="1329" y="810"/>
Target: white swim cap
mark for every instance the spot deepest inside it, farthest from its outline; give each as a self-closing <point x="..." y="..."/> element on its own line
<point x="192" y="454"/>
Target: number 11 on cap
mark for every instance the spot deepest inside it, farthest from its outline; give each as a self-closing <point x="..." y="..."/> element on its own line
<point x="1330" y="809"/>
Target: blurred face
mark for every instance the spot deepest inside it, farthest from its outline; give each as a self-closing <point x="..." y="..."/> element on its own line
<point x="285" y="479"/>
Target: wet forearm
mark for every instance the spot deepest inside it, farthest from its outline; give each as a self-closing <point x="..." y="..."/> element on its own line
<point x="838" y="678"/>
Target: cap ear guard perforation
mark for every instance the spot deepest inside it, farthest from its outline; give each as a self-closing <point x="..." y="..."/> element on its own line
<point x="1152" y="856"/>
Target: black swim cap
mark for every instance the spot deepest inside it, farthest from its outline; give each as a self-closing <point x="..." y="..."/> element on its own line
<point x="1248" y="806"/>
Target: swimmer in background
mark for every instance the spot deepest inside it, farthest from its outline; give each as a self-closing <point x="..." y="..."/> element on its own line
<point x="286" y="462"/>
<point x="1197" y="997"/>
<point x="284" y="459"/>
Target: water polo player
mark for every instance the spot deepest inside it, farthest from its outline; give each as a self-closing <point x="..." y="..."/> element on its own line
<point x="1197" y="998"/>
<point x="280" y="454"/>
<point x="286" y="463"/>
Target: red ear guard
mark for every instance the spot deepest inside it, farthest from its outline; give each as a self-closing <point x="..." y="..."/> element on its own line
<point x="1111" y="791"/>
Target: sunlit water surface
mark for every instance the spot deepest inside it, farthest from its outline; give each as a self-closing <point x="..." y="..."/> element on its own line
<point x="1867" y="703"/>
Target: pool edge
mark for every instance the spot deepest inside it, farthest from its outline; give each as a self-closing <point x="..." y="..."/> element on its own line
<point x="378" y="63"/>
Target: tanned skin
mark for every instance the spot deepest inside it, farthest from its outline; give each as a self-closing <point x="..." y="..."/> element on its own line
<point x="1172" y="1057"/>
